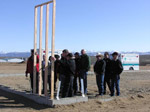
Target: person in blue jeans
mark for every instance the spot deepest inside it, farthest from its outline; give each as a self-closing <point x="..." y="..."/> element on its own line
<point x="99" y="69"/>
<point x="116" y="70"/>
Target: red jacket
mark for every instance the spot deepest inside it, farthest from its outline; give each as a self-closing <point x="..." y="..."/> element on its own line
<point x="29" y="68"/>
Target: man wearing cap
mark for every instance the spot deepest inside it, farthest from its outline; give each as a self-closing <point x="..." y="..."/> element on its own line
<point x="84" y="68"/>
<point x="107" y="79"/>
<point x="99" y="69"/>
<point x="116" y="70"/>
<point x="29" y="69"/>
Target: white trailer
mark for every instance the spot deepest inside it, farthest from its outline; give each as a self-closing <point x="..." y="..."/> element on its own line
<point x="130" y="61"/>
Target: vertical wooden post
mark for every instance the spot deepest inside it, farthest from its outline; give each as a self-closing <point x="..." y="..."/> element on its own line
<point x="35" y="49"/>
<point x="46" y="49"/>
<point x="40" y="50"/>
<point x="53" y="48"/>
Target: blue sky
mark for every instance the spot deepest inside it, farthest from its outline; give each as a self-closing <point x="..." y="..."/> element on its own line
<point x="99" y="25"/>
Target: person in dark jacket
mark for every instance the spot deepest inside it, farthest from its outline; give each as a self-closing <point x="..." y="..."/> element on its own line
<point x="75" y="83"/>
<point x="99" y="69"/>
<point x="62" y="70"/>
<point x="29" y="69"/>
<point x="62" y="62"/>
<point x="116" y="70"/>
<point x="84" y="68"/>
<point x="107" y="79"/>
<point x="70" y="72"/>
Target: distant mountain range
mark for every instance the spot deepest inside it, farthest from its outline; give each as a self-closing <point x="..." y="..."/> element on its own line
<point x="90" y="53"/>
<point x="134" y="52"/>
<point x="15" y="54"/>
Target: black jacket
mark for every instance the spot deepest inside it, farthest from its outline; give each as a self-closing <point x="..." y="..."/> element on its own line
<point x="77" y="61"/>
<point x="63" y="66"/>
<point x="99" y="67"/>
<point x="116" y="67"/>
<point x="71" y="67"/>
<point x="108" y="66"/>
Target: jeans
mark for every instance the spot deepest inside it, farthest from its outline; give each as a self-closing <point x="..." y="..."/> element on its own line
<point x="68" y="87"/>
<point x="115" y="82"/>
<point x="107" y="81"/>
<point x="62" y="79"/>
<point x="31" y="81"/>
<point x="49" y="82"/>
<point x="83" y="75"/>
<point x="75" y="84"/>
<point x="100" y="83"/>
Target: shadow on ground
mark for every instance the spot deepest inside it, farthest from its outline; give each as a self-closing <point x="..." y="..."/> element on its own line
<point x="8" y="100"/>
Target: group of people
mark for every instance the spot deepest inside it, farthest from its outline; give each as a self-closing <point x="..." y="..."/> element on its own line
<point x="67" y="69"/>
<point x="108" y="73"/>
<point x="70" y="69"/>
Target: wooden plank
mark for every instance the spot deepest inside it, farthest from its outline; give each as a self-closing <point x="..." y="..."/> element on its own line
<point x="40" y="51"/>
<point x="35" y="49"/>
<point x="46" y="49"/>
<point x="53" y="48"/>
<point x="43" y="4"/>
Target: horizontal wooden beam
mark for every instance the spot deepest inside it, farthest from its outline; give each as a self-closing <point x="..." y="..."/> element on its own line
<point x="43" y="4"/>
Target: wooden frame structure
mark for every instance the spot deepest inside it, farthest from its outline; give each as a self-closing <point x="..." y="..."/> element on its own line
<point x="46" y="48"/>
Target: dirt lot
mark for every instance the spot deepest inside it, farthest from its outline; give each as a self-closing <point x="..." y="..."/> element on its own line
<point x="135" y="94"/>
<point x="12" y="68"/>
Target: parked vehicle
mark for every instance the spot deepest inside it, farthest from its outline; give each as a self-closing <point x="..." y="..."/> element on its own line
<point x="130" y="61"/>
